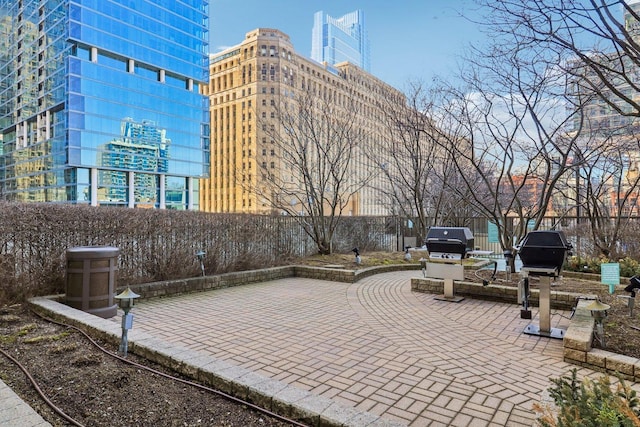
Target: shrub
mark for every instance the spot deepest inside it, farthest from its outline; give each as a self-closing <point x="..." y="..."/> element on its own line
<point x="589" y="403"/>
<point x="156" y="244"/>
<point x="629" y="267"/>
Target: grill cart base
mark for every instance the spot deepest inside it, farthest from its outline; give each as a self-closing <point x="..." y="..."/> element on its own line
<point x="448" y="273"/>
<point x="552" y="333"/>
<point x="544" y="328"/>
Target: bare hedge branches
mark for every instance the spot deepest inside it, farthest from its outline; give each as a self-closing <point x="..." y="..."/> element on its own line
<point x="155" y="244"/>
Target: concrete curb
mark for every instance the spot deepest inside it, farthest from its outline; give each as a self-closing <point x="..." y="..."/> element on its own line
<point x="14" y="412"/>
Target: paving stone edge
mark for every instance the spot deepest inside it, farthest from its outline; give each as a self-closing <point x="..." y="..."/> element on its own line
<point x="275" y="396"/>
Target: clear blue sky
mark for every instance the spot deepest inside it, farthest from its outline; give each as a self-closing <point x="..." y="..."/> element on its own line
<point x="409" y="39"/>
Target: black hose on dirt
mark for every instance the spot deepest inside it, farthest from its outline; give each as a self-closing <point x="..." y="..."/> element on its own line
<point x="39" y="390"/>
<point x="138" y="365"/>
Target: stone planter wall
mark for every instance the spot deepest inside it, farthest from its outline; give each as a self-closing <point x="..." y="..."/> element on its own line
<point x="578" y="349"/>
<point x="205" y="283"/>
<point x="508" y="294"/>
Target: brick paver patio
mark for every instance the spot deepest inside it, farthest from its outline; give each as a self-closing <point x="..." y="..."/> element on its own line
<point x="373" y="345"/>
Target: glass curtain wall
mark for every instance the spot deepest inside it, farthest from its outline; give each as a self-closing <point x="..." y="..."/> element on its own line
<point x="100" y="101"/>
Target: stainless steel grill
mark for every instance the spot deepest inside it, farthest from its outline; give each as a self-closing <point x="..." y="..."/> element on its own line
<point x="449" y="243"/>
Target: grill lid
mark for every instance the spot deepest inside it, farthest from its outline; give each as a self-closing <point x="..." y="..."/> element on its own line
<point x="449" y="242"/>
<point x="542" y="250"/>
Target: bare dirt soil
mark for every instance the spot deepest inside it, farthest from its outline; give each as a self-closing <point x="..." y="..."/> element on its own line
<point x="96" y="389"/>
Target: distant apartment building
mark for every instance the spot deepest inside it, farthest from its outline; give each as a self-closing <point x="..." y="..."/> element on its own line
<point x="604" y="124"/>
<point x="100" y="102"/>
<point x="336" y="40"/>
<point x="248" y="83"/>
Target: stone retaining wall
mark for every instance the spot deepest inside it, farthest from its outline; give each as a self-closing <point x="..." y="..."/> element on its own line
<point x="205" y="283"/>
<point x="578" y="348"/>
<point x="508" y="294"/>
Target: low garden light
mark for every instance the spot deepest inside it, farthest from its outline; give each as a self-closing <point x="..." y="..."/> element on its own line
<point x="356" y="252"/>
<point x="126" y="300"/>
<point x="423" y="266"/>
<point x="200" y="255"/>
<point x="599" y="312"/>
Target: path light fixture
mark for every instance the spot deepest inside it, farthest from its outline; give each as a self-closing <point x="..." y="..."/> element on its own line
<point x="423" y="266"/>
<point x="200" y="255"/>
<point x="599" y="312"/>
<point x="356" y="252"/>
<point x="407" y="254"/>
<point x="126" y="300"/>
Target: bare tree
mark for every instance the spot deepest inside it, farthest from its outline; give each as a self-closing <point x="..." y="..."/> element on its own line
<point x="596" y="44"/>
<point x="598" y="41"/>
<point x="415" y="168"/>
<point x="609" y="183"/>
<point x="509" y="135"/>
<point x="318" y="168"/>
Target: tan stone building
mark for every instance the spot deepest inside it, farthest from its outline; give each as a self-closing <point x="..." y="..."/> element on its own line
<point x="251" y="85"/>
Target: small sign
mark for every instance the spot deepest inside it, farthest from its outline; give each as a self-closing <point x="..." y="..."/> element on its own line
<point x="610" y="275"/>
<point x="492" y="231"/>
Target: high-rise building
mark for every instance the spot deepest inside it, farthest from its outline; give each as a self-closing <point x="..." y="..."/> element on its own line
<point x="250" y="85"/>
<point x="336" y="40"/>
<point x="100" y="101"/>
<point x="622" y="72"/>
<point x="607" y="119"/>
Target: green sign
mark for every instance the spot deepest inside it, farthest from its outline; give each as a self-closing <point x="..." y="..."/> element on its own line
<point x="492" y="231"/>
<point x="610" y="275"/>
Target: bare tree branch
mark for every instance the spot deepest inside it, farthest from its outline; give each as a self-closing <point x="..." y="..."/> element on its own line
<point x="317" y="171"/>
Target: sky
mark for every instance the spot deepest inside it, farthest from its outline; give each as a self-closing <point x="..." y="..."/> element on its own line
<point x="410" y="40"/>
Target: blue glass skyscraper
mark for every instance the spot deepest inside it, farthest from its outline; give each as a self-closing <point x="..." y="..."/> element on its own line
<point x="100" y="102"/>
<point x="336" y="40"/>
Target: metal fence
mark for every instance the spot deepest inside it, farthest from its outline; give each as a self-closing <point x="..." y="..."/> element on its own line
<point x="161" y="244"/>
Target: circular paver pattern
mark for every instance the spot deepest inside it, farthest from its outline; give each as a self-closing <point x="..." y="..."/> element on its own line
<point x="374" y="345"/>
